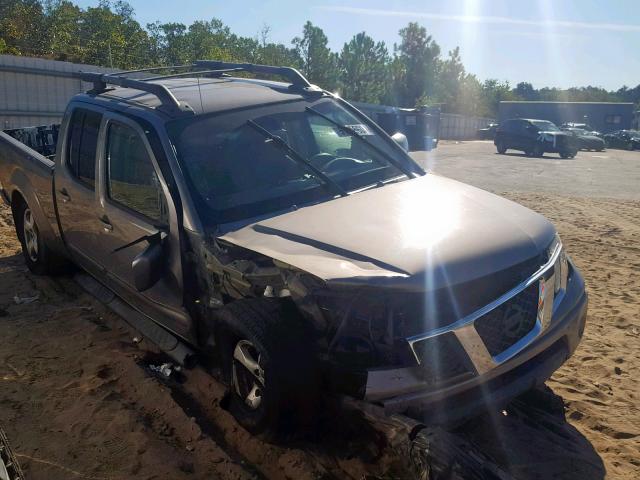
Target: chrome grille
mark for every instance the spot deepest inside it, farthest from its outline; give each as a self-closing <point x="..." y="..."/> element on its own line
<point x="509" y="322"/>
<point x="442" y="357"/>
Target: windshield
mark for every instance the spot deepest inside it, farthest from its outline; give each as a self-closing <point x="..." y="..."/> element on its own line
<point x="545" y="126"/>
<point x="252" y="162"/>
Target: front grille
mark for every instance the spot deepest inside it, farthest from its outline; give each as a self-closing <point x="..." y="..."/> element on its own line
<point x="442" y="357"/>
<point x="506" y="324"/>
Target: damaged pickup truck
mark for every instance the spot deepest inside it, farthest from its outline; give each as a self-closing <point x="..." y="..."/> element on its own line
<point x="274" y="229"/>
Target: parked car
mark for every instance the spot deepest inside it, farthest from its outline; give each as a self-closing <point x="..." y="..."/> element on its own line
<point x="625" y="139"/>
<point x="272" y="228"/>
<point x="534" y="138"/>
<point x="584" y="126"/>
<point x="488" y="132"/>
<point x="584" y="139"/>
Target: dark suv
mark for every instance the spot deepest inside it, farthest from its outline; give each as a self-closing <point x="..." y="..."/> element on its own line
<point x="534" y="138"/>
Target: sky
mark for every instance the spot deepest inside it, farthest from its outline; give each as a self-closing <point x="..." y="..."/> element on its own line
<point x="555" y="43"/>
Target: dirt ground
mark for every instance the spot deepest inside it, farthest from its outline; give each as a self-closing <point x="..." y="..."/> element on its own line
<point x="77" y="402"/>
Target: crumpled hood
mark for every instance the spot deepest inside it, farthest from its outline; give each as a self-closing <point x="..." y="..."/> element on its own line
<point x="429" y="229"/>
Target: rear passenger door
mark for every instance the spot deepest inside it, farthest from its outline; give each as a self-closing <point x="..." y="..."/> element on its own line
<point x="75" y="185"/>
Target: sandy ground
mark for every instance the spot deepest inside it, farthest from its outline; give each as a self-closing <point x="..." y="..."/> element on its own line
<point x="77" y="402"/>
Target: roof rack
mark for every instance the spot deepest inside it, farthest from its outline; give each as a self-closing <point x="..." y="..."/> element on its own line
<point x="291" y="74"/>
<point x="168" y="101"/>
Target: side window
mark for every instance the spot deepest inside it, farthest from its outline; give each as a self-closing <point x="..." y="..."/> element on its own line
<point x="82" y="143"/>
<point x="508" y="126"/>
<point x="524" y="127"/>
<point x="131" y="178"/>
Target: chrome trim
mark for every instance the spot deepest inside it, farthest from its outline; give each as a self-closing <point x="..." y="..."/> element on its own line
<point x="466" y="333"/>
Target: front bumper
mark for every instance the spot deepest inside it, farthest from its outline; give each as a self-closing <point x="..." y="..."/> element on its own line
<point x="405" y="390"/>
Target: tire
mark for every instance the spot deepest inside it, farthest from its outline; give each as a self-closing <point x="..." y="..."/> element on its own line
<point x="629" y="146"/>
<point x="537" y="151"/>
<point x="501" y="147"/>
<point x="569" y="154"/>
<point x="40" y="259"/>
<point x="269" y="337"/>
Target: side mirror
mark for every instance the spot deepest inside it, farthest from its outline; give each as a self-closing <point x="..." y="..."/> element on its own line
<point x="147" y="267"/>
<point x="401" y="139"/>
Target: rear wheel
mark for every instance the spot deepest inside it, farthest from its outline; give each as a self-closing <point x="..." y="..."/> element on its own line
<point x="268" y="362"/>
<point x="630" y="146"/>
<point x="40" y="259"/>
<point x="568" y="154"/>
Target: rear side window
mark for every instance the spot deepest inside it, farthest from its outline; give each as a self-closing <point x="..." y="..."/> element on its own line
<point x="82" y="143"/>
<point x="131" y="179"/>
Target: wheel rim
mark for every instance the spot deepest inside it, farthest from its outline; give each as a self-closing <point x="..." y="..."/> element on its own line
<point x="30" y="233"/>
<point x="248" y="374"/>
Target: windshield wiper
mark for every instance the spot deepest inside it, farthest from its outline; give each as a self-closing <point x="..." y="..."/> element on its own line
<point x="352" y="132"/>
<point x="279" y="142"/>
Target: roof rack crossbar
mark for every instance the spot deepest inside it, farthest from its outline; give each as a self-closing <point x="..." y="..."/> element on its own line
<point x="153" y="69"/>
<point x="188" y="74"/>
<point x="291" y="74"/>
<point x="100" y="81"/>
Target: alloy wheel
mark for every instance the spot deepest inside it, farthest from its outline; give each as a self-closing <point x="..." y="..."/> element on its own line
<point x="248" y="374"/>
<point x="30" y="233"/>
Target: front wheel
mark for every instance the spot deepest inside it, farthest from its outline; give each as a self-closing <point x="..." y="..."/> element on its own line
<point x="501" y="147"/>
<point x="536" y="151"/>
<point x="268" y="363"/>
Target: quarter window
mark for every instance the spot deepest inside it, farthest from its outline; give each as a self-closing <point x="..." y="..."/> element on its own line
<point x="83" y="140"/>
<point x="131" y="178"/>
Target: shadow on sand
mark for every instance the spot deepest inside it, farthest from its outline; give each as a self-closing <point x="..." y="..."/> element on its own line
<point x="531" y="439"/>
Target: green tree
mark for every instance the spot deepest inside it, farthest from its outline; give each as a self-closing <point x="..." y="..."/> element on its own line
<point x="415" y="72"/>
<point x="23" y="27"/>
<point x="449" y="80"/>
<point x="494" y="92"/>
<point x="363" y="69"/>
<point x="319" y="64"/>
<point x="525" y="91"/>
<point x="210" y="40"/>
<point x="64" y="25"/>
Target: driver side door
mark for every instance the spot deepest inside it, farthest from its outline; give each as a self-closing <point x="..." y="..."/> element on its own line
<point x="135" y="203"/>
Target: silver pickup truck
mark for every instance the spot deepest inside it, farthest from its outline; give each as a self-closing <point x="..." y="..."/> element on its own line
<point x="271" y="230"/>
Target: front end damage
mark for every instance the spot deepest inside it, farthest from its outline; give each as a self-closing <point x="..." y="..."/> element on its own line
<point x="410" y="305"/>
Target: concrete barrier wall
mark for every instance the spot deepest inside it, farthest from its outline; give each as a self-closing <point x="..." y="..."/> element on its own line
<point x="461" y="127"/>
<point x="35" y="91"/>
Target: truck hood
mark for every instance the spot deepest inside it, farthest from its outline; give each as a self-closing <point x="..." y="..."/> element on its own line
<point x="428" y="230"/>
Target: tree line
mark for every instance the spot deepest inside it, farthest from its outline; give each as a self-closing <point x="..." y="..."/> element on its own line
<point x="413" y="72"/>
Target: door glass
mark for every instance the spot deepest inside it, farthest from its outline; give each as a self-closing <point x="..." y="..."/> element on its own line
<point x="83" y="139"/>
<point x="131" y="178"/>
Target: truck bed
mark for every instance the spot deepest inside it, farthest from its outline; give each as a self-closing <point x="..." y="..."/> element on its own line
<point x="42" y="139"/>
<point x="26" y="169"/>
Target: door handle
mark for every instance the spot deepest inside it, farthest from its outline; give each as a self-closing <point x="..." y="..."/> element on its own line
<point x="64" y="194"/>
<point x="106" y="223"/>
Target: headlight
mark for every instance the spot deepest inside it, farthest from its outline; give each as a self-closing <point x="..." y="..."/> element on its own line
<point x="560" y="266"/>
